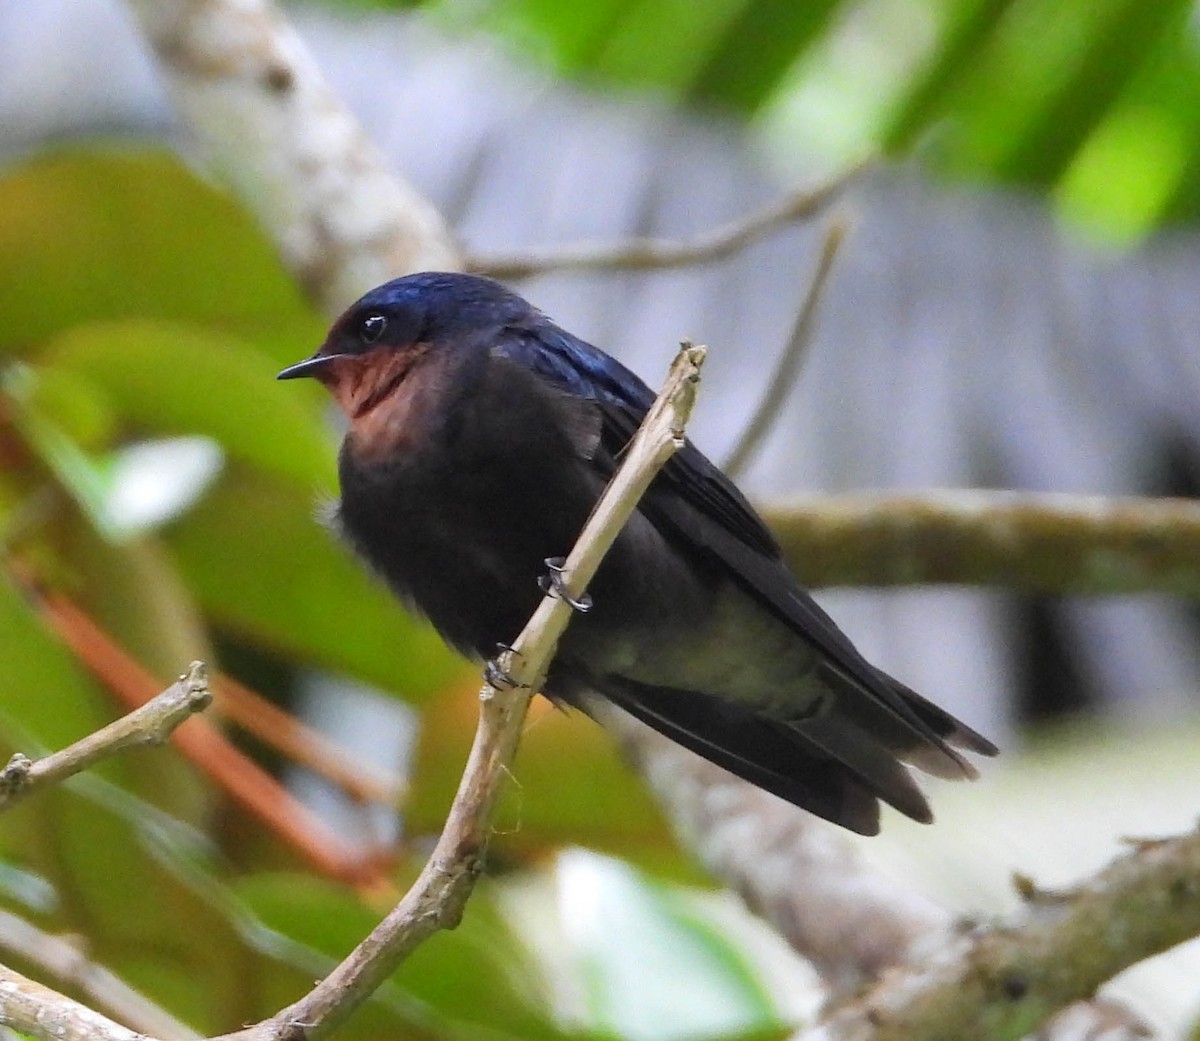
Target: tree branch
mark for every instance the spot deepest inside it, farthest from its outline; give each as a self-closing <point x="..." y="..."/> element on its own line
<point x="657" y="254"/>
<point x="38" y="1011"/>
<point x="1000" y="982"/>
<point x="787" y="370"/>
<point x="1051" y="543"/>
<point x="249" y="90"/>
<point x="151" y="724"/>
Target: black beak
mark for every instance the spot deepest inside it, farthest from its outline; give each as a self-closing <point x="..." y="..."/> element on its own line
<point x="308" y="367"/>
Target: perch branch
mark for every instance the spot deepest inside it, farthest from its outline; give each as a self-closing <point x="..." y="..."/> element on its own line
<point x="656" y="254"/>
<point x="248" y="89"/>
<point x="151" y="724"/>
<point x="779" y="386"/>
<point x="1033" y="541"/>
<point x="37" y="1011"/>
<point x="437" y="898"/>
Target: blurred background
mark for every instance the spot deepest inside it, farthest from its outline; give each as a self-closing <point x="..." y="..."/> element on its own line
<point x="1016" y="307"/>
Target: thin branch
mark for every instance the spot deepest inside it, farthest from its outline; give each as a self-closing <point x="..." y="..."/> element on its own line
<point x="247" y="783"/>
<point x="1000" y="982"/>
<point x="66" y="962"/>
<point x="151" y="724"/>
<point x="1046" y="542"/>
<point x="657" y="254"/>
<point x="251" y="93"/>
<point x="787" y="370"/>
<point x="37" y="1011"/>
<point x="363" y="782"/>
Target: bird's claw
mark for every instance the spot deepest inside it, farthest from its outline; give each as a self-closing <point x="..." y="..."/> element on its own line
<point x="496" y="675"/>
<point x="553" y="583"/>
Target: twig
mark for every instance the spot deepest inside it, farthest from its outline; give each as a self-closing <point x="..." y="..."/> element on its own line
<point x="250" y="91"/>
<point x="151" y="724"/>
<point x="62" y="959"/>
<point x="1047" y="542"/>
<point x="209" y="750"/>
<point x="999" y="983"/>
<point x="37" y="1011"/>
<point x="303" y="745"/>
<point x="791" y="361"/>
<point x="653" y="253"/>
<point x="437" y="898"/>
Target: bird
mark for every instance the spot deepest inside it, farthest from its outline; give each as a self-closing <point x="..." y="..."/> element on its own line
<point x="480" y="435"/>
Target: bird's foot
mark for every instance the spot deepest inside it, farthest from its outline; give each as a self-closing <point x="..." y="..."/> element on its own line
<point x="553" y="583"/>
<point x="496" y="675"/>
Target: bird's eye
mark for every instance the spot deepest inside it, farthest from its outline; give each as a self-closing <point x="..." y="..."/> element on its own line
<point x="371" y="328"/>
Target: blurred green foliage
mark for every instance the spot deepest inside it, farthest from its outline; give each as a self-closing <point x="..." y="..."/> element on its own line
<point x="1096" y="102"/>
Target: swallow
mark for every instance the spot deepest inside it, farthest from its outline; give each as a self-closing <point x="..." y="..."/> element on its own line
<point x="480" y="435"/>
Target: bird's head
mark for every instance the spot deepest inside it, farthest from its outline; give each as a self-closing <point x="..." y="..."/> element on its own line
<point x="412" y="324"/>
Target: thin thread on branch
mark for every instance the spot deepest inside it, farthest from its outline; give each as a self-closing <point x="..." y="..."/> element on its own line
<point x="1048" y="542"/>
<point x="791" y="362"/>
<point x="151" y="724"/>
<point x="656" y="254"/>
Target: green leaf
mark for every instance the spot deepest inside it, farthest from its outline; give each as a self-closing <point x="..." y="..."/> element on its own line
<point x="102" y="849"/>
<point x="1119" y="47"/>
<point x="130" y="232"/>
<point x="44" y="695"/>
<point x="262" y="565"/>
<point x="758" y="49"/>
<point x="970" y="24"/>
<point x="653" y="969"/>
<point x="179" y="379"/>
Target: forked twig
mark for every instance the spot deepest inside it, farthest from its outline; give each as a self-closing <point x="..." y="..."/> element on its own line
<point x="151" y="724"/>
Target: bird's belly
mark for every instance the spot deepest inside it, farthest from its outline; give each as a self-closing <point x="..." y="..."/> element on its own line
<point x="735" y="650"/>
<point x="464" y="547"/>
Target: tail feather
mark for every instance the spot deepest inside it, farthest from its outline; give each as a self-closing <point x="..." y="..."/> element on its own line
<point x="837" y="763"/>
<point x="913" y="729"/>
<point x="776" y="759"/>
